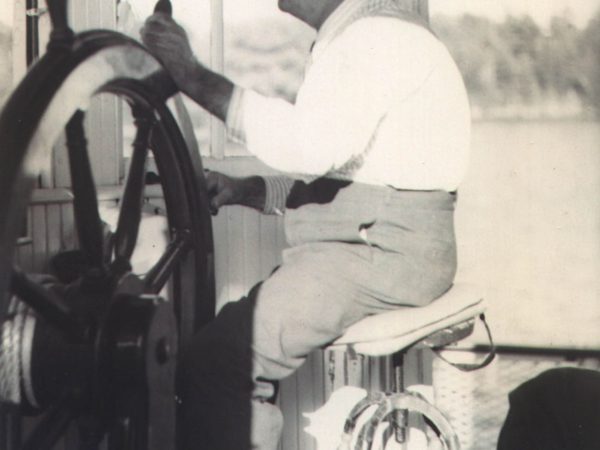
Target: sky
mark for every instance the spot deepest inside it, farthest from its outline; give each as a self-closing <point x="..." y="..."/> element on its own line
<point x="540" y="10"/>
<point x="238" y="10"/>
<point x="194" y="14"/>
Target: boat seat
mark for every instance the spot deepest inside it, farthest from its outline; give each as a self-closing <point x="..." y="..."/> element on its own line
<point x="446" y="320"/>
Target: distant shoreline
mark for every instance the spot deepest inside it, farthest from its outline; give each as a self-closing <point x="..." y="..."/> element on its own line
<point x="571" y="109"/>
<point x="515" y="120"/>
<point x="499" y="117"/>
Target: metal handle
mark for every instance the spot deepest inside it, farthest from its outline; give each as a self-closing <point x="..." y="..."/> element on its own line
<point x="61" y="36"/>
<point x="164" y="6"/>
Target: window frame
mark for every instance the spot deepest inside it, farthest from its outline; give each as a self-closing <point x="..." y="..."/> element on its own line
<point x="217" y="63"/>
<point x="218" y="159"/>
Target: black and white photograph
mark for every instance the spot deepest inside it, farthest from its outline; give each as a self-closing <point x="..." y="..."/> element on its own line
<point x="299" y="225"/>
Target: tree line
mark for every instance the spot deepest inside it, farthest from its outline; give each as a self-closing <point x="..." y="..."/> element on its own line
<point x="516" y="62"/>
<point x="511" y="68"/>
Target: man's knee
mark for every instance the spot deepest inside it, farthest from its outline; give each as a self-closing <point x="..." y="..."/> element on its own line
<point x="221" y="349"/>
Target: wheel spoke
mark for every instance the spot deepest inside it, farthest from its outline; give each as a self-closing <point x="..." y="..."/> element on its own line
<point x="158" y="276"/>
<point x="47" y="304"/>
<point x="162" y="404"/>
<point x="131" y="203"/>
<point x="61" y="35"/>
<point x="121" y="435"/>
<point x="130" y="431"/>
<point x="10" y="428"/>
<point x="85" y="202"/>
<point x="52" y="427"/>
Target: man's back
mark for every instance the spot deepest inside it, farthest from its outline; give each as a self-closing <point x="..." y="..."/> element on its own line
<point x="382" y="103"/>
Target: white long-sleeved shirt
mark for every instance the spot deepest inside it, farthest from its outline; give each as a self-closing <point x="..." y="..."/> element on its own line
<point x="382" y="103"/>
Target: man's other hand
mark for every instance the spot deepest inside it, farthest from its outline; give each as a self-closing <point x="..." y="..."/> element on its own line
<point x="226" y="190"/>
<point x="222" y="190"/>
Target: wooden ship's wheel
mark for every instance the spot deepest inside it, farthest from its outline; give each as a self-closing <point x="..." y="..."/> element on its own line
<point x="96" y="351"/>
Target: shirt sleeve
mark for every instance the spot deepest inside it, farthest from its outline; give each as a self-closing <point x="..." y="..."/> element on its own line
<point x="346" y="94"/>
<point x="234" y="120"/>
<point x="277" y="190"/>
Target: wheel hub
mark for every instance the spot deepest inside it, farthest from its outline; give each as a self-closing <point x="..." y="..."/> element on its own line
<point x="124" y="363"/>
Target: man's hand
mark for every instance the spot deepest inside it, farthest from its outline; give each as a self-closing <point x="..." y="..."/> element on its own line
<point x="222" y="190"/>
<point x="169" y="42"/>
<point x="225" y="190"/>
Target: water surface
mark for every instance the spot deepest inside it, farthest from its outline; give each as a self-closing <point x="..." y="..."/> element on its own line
<point x="528" y="226"/>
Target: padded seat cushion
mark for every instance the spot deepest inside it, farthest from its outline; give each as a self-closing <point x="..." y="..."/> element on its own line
<point x="396" y="330"/>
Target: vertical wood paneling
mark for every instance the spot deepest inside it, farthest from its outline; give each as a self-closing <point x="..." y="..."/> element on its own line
<point x="68" y="233"/>
<point x="19" y="42"/>
<point x="107" y="14"/>
<point x="376" y="378"/>
<point x="220" y="233"/>
<point x="248" y="247"/>
<point x="104" y="112"/>
<point x="53" y="229"/>
<point x="77" y="15"/>
<point x="103" y="118"/>
<point x="310" y="382"/>
<point x="318" y="374"/>
<point x="49" y="225"/>
<point x="235" y="248"/>
<point x="93" y="17"/>
<point x="250" y="255"/>
<point x="60" y="164"/>
<point x="52" y="225"/>
<point x="44" y="27"/>
<point x="104" y="148"/>
<point x="217" y="63"/>
<point x="288" y="402"/>
<point x="7" y="13"/>
<point x="418" y="367"/>
<point x="95" y="130"/>
<point x="304" y="402"/>
<point x="271" y="241"/>
<point x="25" y="252"/>
<point x="113" y="141"/>
<point x="39" y="236"/>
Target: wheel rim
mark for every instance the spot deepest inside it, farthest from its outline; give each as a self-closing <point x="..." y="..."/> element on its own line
<point x="104" y="62"/>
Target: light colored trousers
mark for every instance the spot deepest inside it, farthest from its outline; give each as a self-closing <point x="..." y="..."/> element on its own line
<point x="370" y="250"/>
